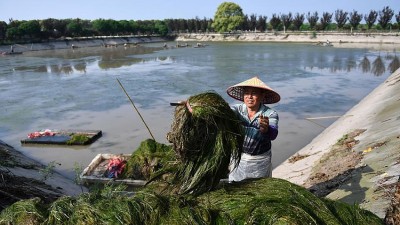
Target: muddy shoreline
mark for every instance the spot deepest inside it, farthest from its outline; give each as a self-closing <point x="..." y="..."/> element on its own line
<point x="377" y="41"/>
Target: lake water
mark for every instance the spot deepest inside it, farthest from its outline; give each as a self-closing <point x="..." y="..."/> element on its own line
<point x="78" y="89"/>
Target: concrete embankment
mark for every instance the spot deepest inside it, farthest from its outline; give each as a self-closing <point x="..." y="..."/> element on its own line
<point x="380" y="41"/>
<point x="82" y="43"/>
<point x="373" y="180"/>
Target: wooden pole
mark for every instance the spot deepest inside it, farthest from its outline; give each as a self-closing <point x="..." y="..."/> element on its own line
<point x="135" y="109"/>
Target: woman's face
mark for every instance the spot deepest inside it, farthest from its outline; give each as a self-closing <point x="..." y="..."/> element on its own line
<point x="253" y="97"/>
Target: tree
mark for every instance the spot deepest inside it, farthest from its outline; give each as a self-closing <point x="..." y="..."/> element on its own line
<point x="355" y="19"/>
<point x="13" y="33"/>
<point x="262" y="23"/>
<point x="3" y="30"/>
<point x="298" y="21"/>
<point x="275" y="21"/>
<point x="161" y="28"/>
<point x="286" y="20"/>
<point x="30" y="28"/>
<point x="370" y="19"/>
<point x="340" y="18"/>
<point x="74" y="28"/>
<point x="228" y="17"/>
<point x="326" y="19"/>
<point x="312" y="19"/>
<point x="253" y="22"/>
<point x="398" y="19"/>
<point x="385" y="16"/>
<point x="102" y="26"/>
<point x="246" y="23"/>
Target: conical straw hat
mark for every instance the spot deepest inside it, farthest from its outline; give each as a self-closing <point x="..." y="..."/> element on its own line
<point x="236" y="91"/>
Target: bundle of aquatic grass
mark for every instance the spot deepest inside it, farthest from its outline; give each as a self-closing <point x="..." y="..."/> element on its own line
<point x="264" y="201"/>
<point x="276" y="201"/>
<point x="148" y="159"/>
<point x="30" y="211"/>
<point x="206" y="136"/>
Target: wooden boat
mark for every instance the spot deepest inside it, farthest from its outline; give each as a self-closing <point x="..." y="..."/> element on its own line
<point x="63" y="137"/>
<point x="96" y="171"/>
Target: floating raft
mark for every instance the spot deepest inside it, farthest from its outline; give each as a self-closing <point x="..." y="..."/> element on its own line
<point x="65" y="137"/>
<point x="96" y="170"/>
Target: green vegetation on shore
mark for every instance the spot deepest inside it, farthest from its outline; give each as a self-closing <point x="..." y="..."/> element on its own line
<point x="228" y="18"/>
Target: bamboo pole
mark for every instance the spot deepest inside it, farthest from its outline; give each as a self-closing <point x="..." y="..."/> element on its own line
<point x="136" y="109"/>
<point x="311" y="119"/>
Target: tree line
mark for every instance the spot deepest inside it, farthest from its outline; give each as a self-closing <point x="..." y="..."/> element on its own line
<point x="38" y="30"/>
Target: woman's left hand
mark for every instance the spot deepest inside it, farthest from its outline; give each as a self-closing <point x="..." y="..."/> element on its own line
<point x="264" y="123"/>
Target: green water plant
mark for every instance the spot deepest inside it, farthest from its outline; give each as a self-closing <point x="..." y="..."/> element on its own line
<point x="78" y="139"/>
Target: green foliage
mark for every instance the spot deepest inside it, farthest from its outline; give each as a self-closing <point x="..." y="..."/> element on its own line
<point x="78" y="139"/>
<point x="74" y="28"/>
<point x="48" y="171"/>
<point x="30" y="211"/>
<point x="205" y="140"/>
<point x="228" y="17"/>
<point x="161" y="28"/>
<point x="30" y="28"/>
<point x="262" y="201"/>
<point x="147" y="160"/>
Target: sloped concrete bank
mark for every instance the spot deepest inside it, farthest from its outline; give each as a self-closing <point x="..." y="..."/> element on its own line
<point x="379" y="41"/>
<point x="82" y="43"/>
<point x="370" y="134"/>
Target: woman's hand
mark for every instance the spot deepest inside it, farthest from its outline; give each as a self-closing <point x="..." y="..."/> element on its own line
<point x="264" y="123"/>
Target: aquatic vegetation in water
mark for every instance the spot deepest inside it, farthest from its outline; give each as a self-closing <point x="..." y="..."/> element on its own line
<point x="78" y="139"/>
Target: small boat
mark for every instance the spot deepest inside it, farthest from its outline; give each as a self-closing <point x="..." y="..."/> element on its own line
<point x="96" y="171"/>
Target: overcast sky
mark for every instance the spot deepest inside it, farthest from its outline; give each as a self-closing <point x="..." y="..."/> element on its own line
<point x="167" y="9"/>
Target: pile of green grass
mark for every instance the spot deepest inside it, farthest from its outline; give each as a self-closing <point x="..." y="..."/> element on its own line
<point x="148" y="160"/>
<point x="207" y="136"/>
<point x="263" y="201"/>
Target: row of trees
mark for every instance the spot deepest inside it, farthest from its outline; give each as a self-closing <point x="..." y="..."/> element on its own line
<point x="228" y="17"/>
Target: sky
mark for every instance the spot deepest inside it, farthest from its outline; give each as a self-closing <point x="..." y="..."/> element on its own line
<point x="175" y="9"/>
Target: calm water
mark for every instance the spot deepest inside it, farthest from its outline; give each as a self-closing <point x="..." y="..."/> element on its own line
<point x="66" y="89"/>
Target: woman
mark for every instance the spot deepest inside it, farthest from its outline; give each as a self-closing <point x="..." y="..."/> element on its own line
<point x="261" y="127"/>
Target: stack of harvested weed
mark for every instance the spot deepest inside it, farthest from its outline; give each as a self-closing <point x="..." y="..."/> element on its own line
<point x="205" y="136"/>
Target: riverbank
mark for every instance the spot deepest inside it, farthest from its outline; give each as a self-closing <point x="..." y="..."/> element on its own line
<point x="357" y="158"/>
<point x="24" y="178"/>
<point x="379" y="41"/>
<point x="84" y="42"/>
<point x="375" y="41"/>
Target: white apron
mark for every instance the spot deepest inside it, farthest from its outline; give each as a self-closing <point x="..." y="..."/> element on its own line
<point x="252" y="166"/>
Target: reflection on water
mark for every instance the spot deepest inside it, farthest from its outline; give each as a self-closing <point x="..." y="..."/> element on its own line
<point x="394" y="64"/>
<point x="123" y="57"/>
<point x="349" y="64"/>
<point x="77" y="89"/>
<point x="365" y="65"/>
<point x="378" y="67"/>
